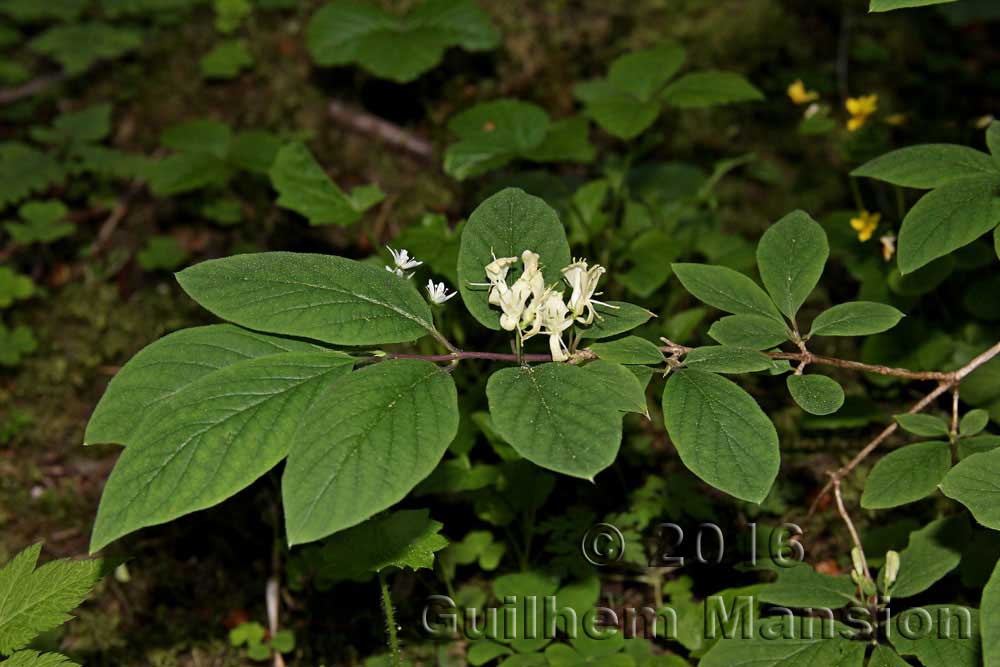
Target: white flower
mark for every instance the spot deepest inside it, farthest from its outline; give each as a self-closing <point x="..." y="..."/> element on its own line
<point x="532" y="274"/>
<point x="438" y="293"/>
<point x="403" y="262"/>
<point x="583" y="281"/>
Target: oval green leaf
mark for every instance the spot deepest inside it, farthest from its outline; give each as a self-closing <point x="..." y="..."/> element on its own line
<point x="790" y="256"/>
<point x="975" y="482"/>
<point x="753" y="331"/>
<point x="906" y="475"/>
<point x="927" y="166"/>
<point x="816" y="394"/>
<point x="856" y="318"/>
<point x="726" y="289"/>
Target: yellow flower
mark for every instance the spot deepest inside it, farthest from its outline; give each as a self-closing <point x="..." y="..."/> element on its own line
<point x="865" y="224"/>
<point x="860" y="109"/>
<point x="798" y="93"/>
<point x="896" y="119"/>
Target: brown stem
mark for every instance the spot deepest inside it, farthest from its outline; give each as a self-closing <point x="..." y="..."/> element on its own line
<point x="9" y="95"/>
<point x="850" y="525"/>
<point x="366" y="123"/>
<point x="582" y="355"/>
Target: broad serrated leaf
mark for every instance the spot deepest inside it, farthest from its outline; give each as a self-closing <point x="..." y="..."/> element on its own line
<point x="620" y="113"/>
<point x="927" y="166"/>
<point x="167" y="366"/>
<point x="947" y="218"/>
<point x="787" y="641"/>
<point x="790" y="257"/>
<point x="926" y="426"/>
<point x="757" y="332"/>
<point x="906" y="475"/>
<point x="951" y="639"/>
<point x="395" y="47"/>
<point x="855" y="318"/>
<point x="726" y="359"/>
<point x="727" y="290"/>
<point x="403" y="539"/>
<point x="505" y="225"/>
<point x="708" y="89"/>
<point x="721" y="434"/>
<point x="989" y="610"/>
<point x="78" y="46"/>
<point x="558" y="416"/>
<point x="975" y="482"/>
<point x="932" y="552"/>
<point x="36" y="600"/>
<point x="628" y="350"/>
<point x="24" y="171"/>
<point x="305" y="188"/>
<point x="816" y="394"/>
<point x="36" y="659"/>
<point x="615" y="318"/>
<point x="642" y="73"/>
<point x="802" y="586"/>
<point x="214" y="438"/>
<point x="369" y="440"/>
<point x="327" y="298"/>
<point x="492" y="134"/>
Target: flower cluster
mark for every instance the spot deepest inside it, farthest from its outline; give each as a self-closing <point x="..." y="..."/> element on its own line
<point x="860" y="109"/>
<point x="865" y="224"/>
<point x="530" y="307"/>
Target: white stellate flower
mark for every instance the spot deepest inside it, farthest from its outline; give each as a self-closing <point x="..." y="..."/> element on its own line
<point x="438" y="293"/>
<point x="403" y="262"/>
<point x="583" y="282"/>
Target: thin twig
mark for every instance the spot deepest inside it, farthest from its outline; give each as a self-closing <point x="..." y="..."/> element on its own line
<point x="954" y="412"/>
<point x="366" y="123"/>
<point x="850" y="525"/>
<point x="10" y="95"/>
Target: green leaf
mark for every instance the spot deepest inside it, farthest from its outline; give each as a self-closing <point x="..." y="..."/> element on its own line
<point x="643" y="73"/>
<point x="36" y="659"/>
<point x="756" y="332"/>
<point x="168" y="366"/>
<point x="628" y="350"/>
<point x="973" y="422"/>
<point x="726" y="359"/>
<point x="620" y="113"/>
<point x="14" y="287"/>
<point x="993" y="142"/>
<point x="855" y="318"/>
<point x="649" y="255"/>
<point x="254" y="150"/>
<point x="199" y="136"/>
<point x="927" y="166"/>
<point x="932" y="552"/>
<point x="205" y="443"/>
<point x="226" y="60"/>
<point x="906" y="475"/>
<point x="185" y="172"/>
<point x="628" y="389"/>
<point x="305" y="188"/>
<point x="947" y="218"/>
<point x="505" y="225"/>
<point x="568" y="140"/>
<point x="322" y="297"/>
<point x="369" y="440"/>
<point x="790" y="256"/>
<point x="403" y="539"/>
<point x="25" y="170"/>
<point x="926" y="426"/>
<point x="708" y="89"/>
<point x="15" y="343"/>
<point x="976" y="444"/>
<point x="399" y="48"/>
<point x="162" y="252"/>
<point x="721" y="434"/>
<point x="36" y="600"/>
<point x="889" y="5"/>
<point x="802" y="586"/>
<point x="726" y="290"/>
<point x="78" y="46"/>
<point x="283" y="641"/>
<point x="975" y="482"/>
<point x="816" y="394"/>
<point x="786" y="641"/>
<point x="42" y="222"/>
<point x="884" y="656"/>
<point x="948" y="641"/>
<point x="615" y="318"/>
<point x="492" y="134"/>
<point x="247" y="633"/>
<point x="88" y="125"/>
<point x="989" y="609"/>
<point x="24" y="11"/>
<point x="558" y="416"/>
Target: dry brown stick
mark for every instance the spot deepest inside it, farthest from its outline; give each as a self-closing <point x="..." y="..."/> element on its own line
<point x="850" y="525"/>
<point x="10" y="95"/>
<point x="366" y="123"/>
